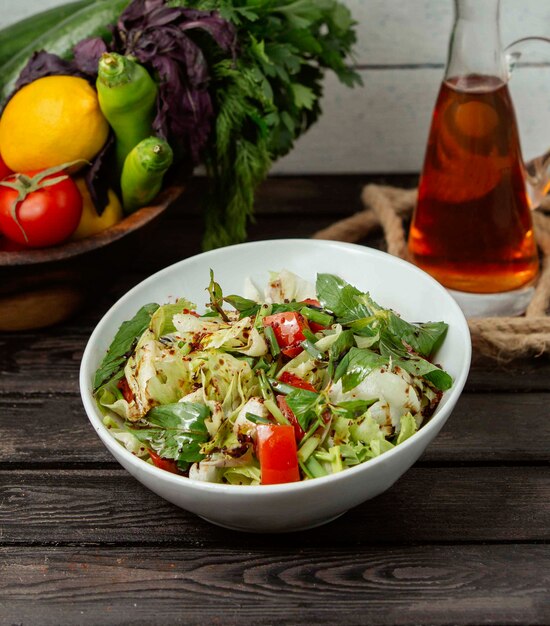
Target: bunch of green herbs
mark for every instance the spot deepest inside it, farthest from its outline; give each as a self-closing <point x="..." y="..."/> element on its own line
<point x="267" y="97"/>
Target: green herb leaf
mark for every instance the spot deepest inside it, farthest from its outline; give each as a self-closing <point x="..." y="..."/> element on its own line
<point x="176" y="431"/>
<point x="341" y="298"/>
<point x="123" y="344"/>
<point x="246" y="307"/>
<point x="312" y="350"/>
<point x="357" y="365"/>
<point x="413" y="363"/>
<point x="305" y="405"/>
<point x="353" y="409"/>
<point x="216" y="297"/>
<point x="343" y="343"/>
<point x="422" y="338"/>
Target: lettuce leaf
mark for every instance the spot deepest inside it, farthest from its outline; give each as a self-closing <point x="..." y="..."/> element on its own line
<point x="162" y="322"/>
<point x="123" y="344"/>
<point x="408" y="428"/>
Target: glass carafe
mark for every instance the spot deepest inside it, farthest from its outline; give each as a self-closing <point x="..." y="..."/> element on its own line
<point x="472" y="227"/>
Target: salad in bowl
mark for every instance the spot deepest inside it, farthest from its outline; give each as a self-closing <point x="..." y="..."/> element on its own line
<point x="286" y="382"/>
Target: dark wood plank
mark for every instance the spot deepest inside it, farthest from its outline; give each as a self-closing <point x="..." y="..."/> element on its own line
<point x="400" y="586"/>
<point x="426" y="505"/>
<point x="54" y="430"/>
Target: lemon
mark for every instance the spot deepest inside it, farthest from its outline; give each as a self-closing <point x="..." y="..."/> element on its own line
<point x="90" y="222"/>
<point x="51" y="121"/>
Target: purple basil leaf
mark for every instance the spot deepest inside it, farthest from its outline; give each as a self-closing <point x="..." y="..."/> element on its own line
<point x="166" y="40"/>
<point x="87" y="54"/>
<point x="98" y="176"/>
<point x="42" y="64"/>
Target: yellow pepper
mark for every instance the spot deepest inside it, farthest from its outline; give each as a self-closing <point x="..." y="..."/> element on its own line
<point x="90" y="222"/>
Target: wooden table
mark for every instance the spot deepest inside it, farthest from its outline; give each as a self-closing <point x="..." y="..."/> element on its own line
<point x="460" y="539"/>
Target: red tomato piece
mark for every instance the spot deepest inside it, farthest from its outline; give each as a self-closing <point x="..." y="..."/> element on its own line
<point x="292" y="352"/>
<point x="312" y="302"/>
<point x="276" y="445"/>
<point x="168" y="465"/>
<point x="287" y="412"/>
<point x="46" y="216"/>
<point x="288" y="328"/>
<point x="296" y="381"/>
<point x="315" y="327"/>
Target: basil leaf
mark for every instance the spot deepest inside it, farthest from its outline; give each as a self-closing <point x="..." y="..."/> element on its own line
<point x="415" y="364"/>
<point x="123" y="344"/>
<point x="176" y="431"/>
<point x="340" y="297"/>
<point x="305" y="406"/>
<point x="353" y="409"/>
<point x="343" y="343"/>
<point x="357" y="365"/>
<point x="246" y="307"/>
<point x="423" y="338"/>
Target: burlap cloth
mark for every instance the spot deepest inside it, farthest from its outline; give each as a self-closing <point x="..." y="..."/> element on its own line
<point x="503" y="338"/>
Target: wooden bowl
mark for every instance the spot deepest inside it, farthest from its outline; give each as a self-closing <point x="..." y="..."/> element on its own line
<point x="45" y="286"/>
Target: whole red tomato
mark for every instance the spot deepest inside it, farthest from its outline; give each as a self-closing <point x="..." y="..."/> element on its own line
<point x="40" y="208"/>
<point x="4" y="169"/>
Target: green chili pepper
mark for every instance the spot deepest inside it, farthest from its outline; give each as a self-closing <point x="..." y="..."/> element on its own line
<point x="143" y="171"/>
<point x="127" y="95"/>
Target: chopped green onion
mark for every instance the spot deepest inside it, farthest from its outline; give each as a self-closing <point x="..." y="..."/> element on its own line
<point x="314" y="315"/>
<point x="281" y="387"/>
<point x="316" y="469"/>
<point x="312" y="350"/>
<point x="248" y="359"/>
<point x="336" y="459"/>
<point x="272" y="341"/>
<point x="264" y="311"/>
<point x="324" y="455"/>
<point x="265" y="387"/>
<point x="308" y="447"/>
<point x="273" y="369"/>
<point x="309" y="335"/>
<point x="304" y="469"/>
<point x="272" y="407"/>
<point x="262" y="364"/>
<point x="257" y="419"/>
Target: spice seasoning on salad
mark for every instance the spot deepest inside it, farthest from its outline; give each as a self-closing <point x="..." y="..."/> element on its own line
<point x="296" y="384"/>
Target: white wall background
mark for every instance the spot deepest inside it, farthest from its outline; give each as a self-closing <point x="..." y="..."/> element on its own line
<point x="383" y="126"/>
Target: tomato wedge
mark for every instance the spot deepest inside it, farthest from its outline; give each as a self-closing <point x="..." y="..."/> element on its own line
<point x="168" y="465"/>
<point x="296" y="381"/>
<point x="288" y="328"/>
<point x="276" y="447"/>
<point x="288" y="413"/>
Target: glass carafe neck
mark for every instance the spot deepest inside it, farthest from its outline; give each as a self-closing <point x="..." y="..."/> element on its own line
<point x="475" y="47"/>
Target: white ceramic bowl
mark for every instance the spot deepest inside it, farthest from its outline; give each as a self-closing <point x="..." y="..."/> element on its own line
<point x="279" y="508"/>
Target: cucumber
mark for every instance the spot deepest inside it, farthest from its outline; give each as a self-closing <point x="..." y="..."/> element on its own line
<point x="90" y="21"/>
<point x="15" y="37"/>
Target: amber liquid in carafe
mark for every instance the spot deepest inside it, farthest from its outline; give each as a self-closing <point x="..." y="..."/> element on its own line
<point x="472" y="228"/>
